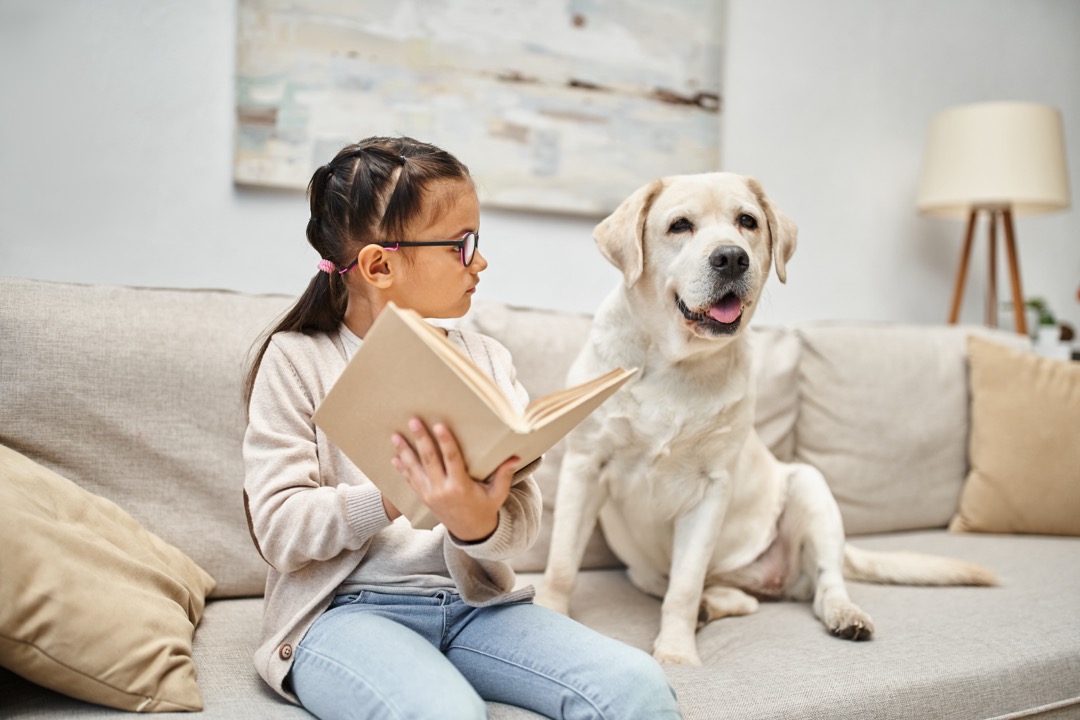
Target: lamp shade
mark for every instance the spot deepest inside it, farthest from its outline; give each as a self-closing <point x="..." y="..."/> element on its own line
<point x="994" y="155"/>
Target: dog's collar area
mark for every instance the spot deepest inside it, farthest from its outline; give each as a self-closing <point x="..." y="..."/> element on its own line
<point x="706" y="321"/>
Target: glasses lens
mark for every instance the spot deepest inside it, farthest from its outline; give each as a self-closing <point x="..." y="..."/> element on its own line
<point x="468" y="248"/>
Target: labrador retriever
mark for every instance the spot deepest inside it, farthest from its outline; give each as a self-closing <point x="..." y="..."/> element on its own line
<point x="689" y="498"/>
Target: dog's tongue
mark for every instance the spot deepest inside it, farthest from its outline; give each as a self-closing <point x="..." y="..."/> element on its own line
<point x="727" y="310"/>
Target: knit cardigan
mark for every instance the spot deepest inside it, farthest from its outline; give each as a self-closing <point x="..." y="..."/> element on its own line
<point x="313" y="514"/>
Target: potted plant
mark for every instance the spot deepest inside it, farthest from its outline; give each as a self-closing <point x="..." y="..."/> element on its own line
<point x="1046" y="331"/>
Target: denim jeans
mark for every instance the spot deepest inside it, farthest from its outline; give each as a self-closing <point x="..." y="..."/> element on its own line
<point x="376" y="655"/>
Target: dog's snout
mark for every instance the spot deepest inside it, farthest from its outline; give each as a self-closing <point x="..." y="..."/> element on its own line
<point x="729" y="260"/>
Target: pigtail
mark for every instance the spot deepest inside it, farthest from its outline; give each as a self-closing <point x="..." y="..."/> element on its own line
<point x="321" y="307"/>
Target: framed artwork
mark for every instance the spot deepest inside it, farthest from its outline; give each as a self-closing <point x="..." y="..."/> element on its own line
<point x="563" y="106"/>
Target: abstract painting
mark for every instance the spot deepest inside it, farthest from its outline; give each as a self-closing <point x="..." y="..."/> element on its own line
<point x="563" y="106"/>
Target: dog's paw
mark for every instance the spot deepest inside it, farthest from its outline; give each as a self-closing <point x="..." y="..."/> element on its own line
<point x="558" y="602"/>
<point x="849" y="622"/>
<point x="670" y="650"/>
<point x="677" y="657"/>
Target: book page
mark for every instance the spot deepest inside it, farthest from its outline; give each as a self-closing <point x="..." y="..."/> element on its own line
<point x="552" y="404"/>
<point x="465" y="367"/>
<point x="560" y="418"/>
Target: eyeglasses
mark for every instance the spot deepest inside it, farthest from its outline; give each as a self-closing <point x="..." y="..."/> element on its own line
<point x="466" y="245"/>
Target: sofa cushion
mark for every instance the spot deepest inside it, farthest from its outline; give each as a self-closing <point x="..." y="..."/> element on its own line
<point x="956" y="652"/>
<point x="884" y="415"/>
<point x="136" y="395"/>
<point x="92" y="605"/>
<point x="776" y="384"/>
<point x="1025" y="444"/>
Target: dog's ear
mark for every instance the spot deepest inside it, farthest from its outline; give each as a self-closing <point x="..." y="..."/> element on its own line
<point x="782" y="231"/>
<point x="621" y="234"/>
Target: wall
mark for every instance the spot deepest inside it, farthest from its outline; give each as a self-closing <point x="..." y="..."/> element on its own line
<point x="116" y="142"/>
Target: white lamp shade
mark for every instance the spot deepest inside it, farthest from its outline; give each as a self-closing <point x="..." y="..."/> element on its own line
<point x="994" y="155"/>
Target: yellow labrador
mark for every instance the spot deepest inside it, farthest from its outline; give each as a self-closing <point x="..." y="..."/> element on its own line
<point x="689" y="497"/>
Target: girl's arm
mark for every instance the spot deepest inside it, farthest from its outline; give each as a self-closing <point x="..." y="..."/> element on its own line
<point x="296" y="515"/>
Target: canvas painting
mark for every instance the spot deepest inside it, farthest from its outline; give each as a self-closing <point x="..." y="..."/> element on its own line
<point x="563" y="106"/>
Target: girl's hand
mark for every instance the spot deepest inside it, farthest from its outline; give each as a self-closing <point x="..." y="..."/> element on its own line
<point x="436" y="472"/>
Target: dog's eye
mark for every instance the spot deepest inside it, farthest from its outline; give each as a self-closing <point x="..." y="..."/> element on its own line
<point x="748" y="221"/>
<point x="681" y="225"/>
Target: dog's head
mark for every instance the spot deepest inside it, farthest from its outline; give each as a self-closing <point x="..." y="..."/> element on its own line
<point x="697" y="250"/>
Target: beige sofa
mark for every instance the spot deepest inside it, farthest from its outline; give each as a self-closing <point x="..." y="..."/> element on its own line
<point x="134" y="394"/>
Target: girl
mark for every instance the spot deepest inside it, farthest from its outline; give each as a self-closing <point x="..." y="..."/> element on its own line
<point x="364" y="616"/>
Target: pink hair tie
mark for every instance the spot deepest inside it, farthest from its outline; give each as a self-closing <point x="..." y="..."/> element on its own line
<point x="326" y="266"/>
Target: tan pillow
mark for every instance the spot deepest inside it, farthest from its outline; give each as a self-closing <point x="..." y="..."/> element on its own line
<point x="1025" y="444"/>
<point x="91" y="604"/>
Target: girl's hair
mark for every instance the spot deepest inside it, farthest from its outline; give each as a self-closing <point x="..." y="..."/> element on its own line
<point x="370" y="192"/>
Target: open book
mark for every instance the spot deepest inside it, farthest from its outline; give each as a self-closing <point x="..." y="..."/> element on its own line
<point x="407" y="368"/>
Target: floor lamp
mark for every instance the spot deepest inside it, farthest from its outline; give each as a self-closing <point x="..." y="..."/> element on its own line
<point x="996" y="159"/>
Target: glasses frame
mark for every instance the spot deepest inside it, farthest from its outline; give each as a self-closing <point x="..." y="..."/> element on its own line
<point x="459" y="243"/>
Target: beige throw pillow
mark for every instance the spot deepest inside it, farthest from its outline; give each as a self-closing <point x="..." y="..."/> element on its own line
<point x="1025" y="444"/>
<point x="92" y="605"/>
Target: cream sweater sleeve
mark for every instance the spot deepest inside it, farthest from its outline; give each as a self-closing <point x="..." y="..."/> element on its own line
<point x="297" y="515"/>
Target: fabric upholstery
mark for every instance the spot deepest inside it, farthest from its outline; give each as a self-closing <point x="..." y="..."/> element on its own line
<point x="883" y="413"/>
<point x="1025" y="444"/>
<point x="776" y="382"/>
<point x="93" y="605"/>
<point x="135" y="394"/>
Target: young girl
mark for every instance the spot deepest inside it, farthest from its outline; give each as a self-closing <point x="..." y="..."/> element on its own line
<point x="364" y="616"/>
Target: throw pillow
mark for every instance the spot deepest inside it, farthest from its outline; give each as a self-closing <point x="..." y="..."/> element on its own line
<point x="92" y="605"/>
<point x="1024" y="455"/>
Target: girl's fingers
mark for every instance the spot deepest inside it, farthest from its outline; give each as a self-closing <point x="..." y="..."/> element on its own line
<point x="426" y="449"/>
<point x="451" y="451"/>
<point x="406" y="462"/>
<point x="498" y="485"/>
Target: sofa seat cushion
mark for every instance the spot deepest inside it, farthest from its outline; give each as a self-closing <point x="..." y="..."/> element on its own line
<point x="957" y="651"/>
<point x="960" y="652"/>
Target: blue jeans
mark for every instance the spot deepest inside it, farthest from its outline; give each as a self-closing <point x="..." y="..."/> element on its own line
<point x="376" y="655"/>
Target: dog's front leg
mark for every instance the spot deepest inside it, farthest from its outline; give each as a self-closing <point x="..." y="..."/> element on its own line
<point x="696" y="535"/>
<point x="577" y="504"/>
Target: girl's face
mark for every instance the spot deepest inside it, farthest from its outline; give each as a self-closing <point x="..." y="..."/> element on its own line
<point x="432" y="280"/>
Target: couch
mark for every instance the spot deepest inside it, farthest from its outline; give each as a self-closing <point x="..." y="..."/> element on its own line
<point x="132" y="396"/>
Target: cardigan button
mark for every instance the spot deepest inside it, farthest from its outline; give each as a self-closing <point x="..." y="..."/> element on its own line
<point x="285" y="651"/>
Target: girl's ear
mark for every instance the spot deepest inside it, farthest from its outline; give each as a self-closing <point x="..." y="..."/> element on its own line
<point x="376" y="266"/>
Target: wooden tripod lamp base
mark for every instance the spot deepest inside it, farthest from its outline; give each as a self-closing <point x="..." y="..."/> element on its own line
<point x="1004" y="217"/>
<point x="997" y="158"/>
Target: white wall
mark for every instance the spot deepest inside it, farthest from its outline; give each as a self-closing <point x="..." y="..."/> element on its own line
<point x="116" y="140"/>
<point x="828" y="103"/>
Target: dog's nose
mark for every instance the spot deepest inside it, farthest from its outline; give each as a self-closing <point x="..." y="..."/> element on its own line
<point x="730" y="261"/>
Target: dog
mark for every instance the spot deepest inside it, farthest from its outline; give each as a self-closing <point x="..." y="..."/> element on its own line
<point x="689" y="498"/>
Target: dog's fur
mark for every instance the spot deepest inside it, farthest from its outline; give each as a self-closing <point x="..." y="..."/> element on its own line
<point x="690" y="499"/>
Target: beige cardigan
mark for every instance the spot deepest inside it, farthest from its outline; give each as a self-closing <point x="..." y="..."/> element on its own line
<point x="313" y="514"/>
